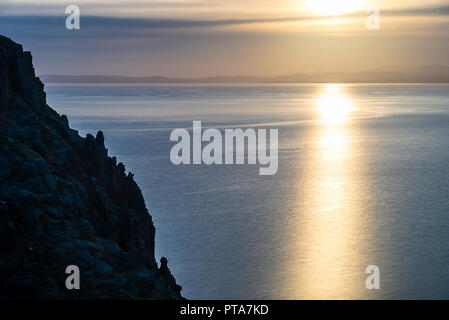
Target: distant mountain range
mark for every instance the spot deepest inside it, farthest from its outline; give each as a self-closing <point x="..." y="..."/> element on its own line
<point x="425" y="74"/>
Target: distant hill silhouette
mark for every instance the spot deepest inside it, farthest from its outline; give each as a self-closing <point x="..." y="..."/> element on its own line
<point x="423" y="74"/>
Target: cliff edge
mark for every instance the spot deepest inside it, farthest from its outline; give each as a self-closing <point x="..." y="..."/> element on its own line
<point x="64" y="201"/>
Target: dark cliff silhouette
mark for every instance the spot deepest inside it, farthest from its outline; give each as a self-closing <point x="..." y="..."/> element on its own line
<point x="64" y="201"/>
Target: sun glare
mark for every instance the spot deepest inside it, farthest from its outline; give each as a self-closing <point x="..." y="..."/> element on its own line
<point x="333" y="105"/>
<point x="334" y="7"/>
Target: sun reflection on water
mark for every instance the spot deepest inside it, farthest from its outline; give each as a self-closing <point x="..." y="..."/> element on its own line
<point x="330" y="242"/>
<point x="333" y="105"/>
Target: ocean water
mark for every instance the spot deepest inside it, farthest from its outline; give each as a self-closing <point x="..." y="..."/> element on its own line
<point x="362" y="180"/>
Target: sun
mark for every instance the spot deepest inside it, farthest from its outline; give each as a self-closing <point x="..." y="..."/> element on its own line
<point x="334" y="7"/>
<point x="333" y="105"/>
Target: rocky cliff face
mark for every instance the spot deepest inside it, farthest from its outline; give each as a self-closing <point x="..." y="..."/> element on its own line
<point x="64" y="201"/>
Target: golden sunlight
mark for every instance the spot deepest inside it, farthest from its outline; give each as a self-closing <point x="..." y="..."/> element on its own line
<point x="330" y="209"/>
<point x="333" y="105"/>
<point x="333" y="7"/>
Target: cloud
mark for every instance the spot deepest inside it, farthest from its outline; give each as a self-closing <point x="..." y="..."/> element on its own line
<point x="167" y="23"/>
<point x="181" y="46"/>
<point x="424" y="11"/>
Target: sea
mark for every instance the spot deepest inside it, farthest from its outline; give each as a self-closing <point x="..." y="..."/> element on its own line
<point x="362" y="184"/>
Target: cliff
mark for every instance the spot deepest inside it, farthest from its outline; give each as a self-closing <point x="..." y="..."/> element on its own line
<point x="64" y="201"/>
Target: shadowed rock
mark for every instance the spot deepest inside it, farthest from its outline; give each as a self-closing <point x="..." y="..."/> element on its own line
<point x="64" y="201"/>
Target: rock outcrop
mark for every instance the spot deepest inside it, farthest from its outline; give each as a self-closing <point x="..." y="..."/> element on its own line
<point x="64" y="201"/>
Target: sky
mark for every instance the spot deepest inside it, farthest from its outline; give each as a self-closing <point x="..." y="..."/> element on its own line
<point x="197" y="38"/>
